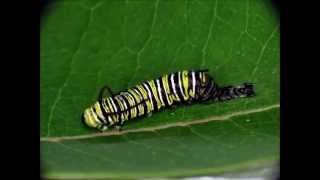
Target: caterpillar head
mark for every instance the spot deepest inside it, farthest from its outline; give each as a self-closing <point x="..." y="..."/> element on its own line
<point x="90" y="118"/>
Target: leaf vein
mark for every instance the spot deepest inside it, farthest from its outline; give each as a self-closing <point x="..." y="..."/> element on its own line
<point x="64" y="85"/>
<point x="205" y="46"/>
<point x="146" y="42"/>
<point x="263" y="50"/>
<point x="166" y="126"/>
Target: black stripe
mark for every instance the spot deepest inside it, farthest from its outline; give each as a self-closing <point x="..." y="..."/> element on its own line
<point x="128" y="105"/>
<point x="176" y="80"/>
<point x="139" y="94"/>
<point x="170" y="86"/>
<point x="134" y="105"/>
<point x="143" y="101"/>
<point x="236" y="91"/>
<point x="95" y="111"/>
<point x="104" y="113"/>
<point x="118" y="107"/>
<point x="159" y="93"/>
<point x="116" y="112"/>
<point x="197" y="85"/>
<point x="190" y="83"/>
<point x="163" y="93"/>
<point x="154" y="102"/>
<point x="189" y="80"/>
<point x="116" y="104"/>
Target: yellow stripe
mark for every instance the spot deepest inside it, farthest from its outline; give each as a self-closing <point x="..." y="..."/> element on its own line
<point x="136" y="96"/>
<point x="110" y="106"/>
<point x="129" y="101"/>
<point x="155" y="93"/>
<point x="122" y="118"/>
<point x="174" y="96"/>
<point x="104" y="106"/>
<point x="203" y="77"/>
<point x="167" y="89"/>
<point x="157" y="82"/>
<point x="185" y="84"/>
<point x="113" y="116"/>
<point x="140" y="106"/>
<point x="120" y="103"/>
<point x="89" y="119"/>
<point x="126" y="113"/>
<point x="193" y="80"/>
<point x="139" y="99"/>
<point x="125" y="96"/>
<point x="98" y="110"/>
<point x="133" y="110"/>
<point x="141" y="109"/>
<point x="145" y="97"/>
<point x="143" y="91"/>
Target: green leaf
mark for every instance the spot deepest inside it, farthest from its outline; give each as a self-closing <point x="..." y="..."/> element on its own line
<point x="86" y="44"/>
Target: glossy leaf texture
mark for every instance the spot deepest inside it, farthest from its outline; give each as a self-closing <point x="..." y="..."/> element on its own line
<point x="86" y="44"/>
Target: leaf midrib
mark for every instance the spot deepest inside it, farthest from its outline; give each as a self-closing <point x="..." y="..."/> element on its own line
<point x="165" y="126"/>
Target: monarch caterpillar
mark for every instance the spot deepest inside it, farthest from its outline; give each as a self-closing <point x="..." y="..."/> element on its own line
<point x="182" y="87"/>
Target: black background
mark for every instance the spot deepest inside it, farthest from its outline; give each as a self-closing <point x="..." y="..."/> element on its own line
<point x="20" y="88"/>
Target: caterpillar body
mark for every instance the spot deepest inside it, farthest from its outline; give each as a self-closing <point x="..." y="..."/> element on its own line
<point x="182" y="87"/>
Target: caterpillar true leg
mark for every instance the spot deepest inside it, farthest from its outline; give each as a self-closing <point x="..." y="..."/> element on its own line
<point x="119" y="125"/>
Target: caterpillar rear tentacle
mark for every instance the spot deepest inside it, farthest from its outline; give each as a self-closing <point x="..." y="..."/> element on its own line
<point x="103" y="90"/>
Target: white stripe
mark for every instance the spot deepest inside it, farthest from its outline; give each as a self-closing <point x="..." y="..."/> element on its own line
<point x="116" y="99"/>
<point x="159" y="91"/>
<point x="180" y="85"/>
<point x="149" y="93"/>
<point x="193" y="83"/>
<point x="102" y="117"/>
<point x="139" y="94"/>
<point x="130" y="97"/>
<point x="125" y="107"/>
<point x="166" y="93"/>
<point x="135" y="106"/>
<point x="105" y="106"/>
<point x="173" y="86"/>
<point x="124" y="102"/>
<point x="114" y="106"/>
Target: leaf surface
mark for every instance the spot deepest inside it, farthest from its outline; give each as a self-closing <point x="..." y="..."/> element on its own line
<point x="88" y="44"/>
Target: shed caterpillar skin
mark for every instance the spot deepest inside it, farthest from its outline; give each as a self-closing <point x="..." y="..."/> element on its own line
<point x="182" y="87"/>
